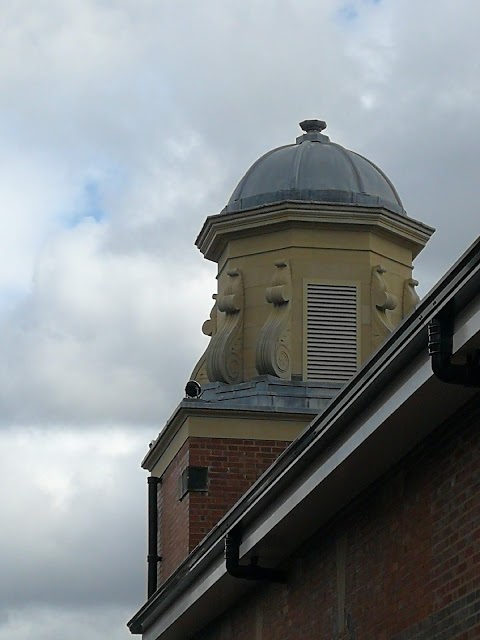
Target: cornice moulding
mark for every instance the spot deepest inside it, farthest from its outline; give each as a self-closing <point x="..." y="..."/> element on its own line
<point x="187" y="409"/>
<point x="219" y="229"/>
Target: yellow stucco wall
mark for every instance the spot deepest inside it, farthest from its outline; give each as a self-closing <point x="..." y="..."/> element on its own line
<point x="316" y="255"/>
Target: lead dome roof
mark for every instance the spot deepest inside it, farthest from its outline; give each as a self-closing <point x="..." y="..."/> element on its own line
<point x="314" y="170"/>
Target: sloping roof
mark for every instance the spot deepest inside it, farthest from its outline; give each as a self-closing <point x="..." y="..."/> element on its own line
<point x="387" y="408"/>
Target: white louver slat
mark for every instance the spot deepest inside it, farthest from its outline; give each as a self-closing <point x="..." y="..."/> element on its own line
<point x="332" y="352"/>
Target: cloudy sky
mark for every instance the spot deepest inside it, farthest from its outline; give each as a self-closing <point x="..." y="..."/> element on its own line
<point x="124" y="123"/>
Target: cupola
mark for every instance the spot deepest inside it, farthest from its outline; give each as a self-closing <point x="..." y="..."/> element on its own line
<point x="314" y="252"/>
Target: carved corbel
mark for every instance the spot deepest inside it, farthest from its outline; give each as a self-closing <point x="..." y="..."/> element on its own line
<point x="382" y="302"/>
<point x="209" y="328"/>
<point x="273" y="343"/>
<point x="410" y="297"/>
<point x="224" y="362"/>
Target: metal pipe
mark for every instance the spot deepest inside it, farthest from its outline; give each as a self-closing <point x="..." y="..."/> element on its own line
<point x="152" y="558"/>
<point x="440" y="348"/>
<point x="247" y="572"/>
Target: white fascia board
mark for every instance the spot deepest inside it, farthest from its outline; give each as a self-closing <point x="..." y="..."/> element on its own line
<point x="360" y="430"/>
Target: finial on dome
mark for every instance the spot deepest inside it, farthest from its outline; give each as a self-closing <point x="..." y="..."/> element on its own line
<point x="313" y="131"/>
<point x="313" y="126"/>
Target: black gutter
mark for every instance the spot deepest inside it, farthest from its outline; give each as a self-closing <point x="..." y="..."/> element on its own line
<point x="462" y="283"/>
<point x="152" y="558"/>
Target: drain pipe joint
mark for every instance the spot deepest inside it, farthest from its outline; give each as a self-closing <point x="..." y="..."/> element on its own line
<point x="247" y="572"/>
<point x="440" y="347"/>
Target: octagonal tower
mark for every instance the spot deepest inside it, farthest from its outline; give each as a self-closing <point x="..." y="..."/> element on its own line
<point x="314" y="253"/>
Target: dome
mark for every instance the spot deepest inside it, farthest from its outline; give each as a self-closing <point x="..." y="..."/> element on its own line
<point x="314" y="170"/>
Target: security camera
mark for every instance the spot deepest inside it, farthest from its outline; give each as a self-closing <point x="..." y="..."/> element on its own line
<point x="193" y="389"/>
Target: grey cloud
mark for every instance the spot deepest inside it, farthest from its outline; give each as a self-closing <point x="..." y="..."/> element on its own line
<point x="73" y="531"/>
<point x="116" y="349"/>
<point x="422" y="127"/>
<point x="96" y="622"/>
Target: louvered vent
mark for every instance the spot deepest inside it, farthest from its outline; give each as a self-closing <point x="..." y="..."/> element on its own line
<point x="331" y="332"/>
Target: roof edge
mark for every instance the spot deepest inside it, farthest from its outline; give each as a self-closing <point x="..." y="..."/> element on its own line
<point x="460" y="284"/>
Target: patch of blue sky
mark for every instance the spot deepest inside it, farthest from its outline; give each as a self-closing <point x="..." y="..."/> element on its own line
<point x="10" y="297"/>
<point x="348" y="13"/>
<point x="89" y="206"/>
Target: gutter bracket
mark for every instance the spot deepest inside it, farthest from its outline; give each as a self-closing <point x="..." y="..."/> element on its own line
<point x="440" y="347"/>
<point x="251" y="571"/>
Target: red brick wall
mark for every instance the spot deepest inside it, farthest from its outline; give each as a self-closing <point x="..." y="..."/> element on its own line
<point x="233" y="466"/>
<point x="410" y="547"/>
<point x="173" y="545"/>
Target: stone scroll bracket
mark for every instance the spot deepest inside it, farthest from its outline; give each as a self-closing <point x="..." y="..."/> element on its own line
<point x="273" y="350"/>
<point x="209" y="328"/>
<point x="410" y="297"/>
<point x="382" y="302"/>
<point x="224" y="354"/>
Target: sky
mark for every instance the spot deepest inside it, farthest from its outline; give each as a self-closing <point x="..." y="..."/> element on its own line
<point x="124" y="123"/>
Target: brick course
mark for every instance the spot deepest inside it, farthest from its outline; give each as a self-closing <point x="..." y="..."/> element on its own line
<point x="404" y="558"/>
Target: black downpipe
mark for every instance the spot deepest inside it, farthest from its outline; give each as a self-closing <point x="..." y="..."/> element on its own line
<point x="247" y="572"/>
<point x="152" y="558"/>
<point x="440" y="347"/>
